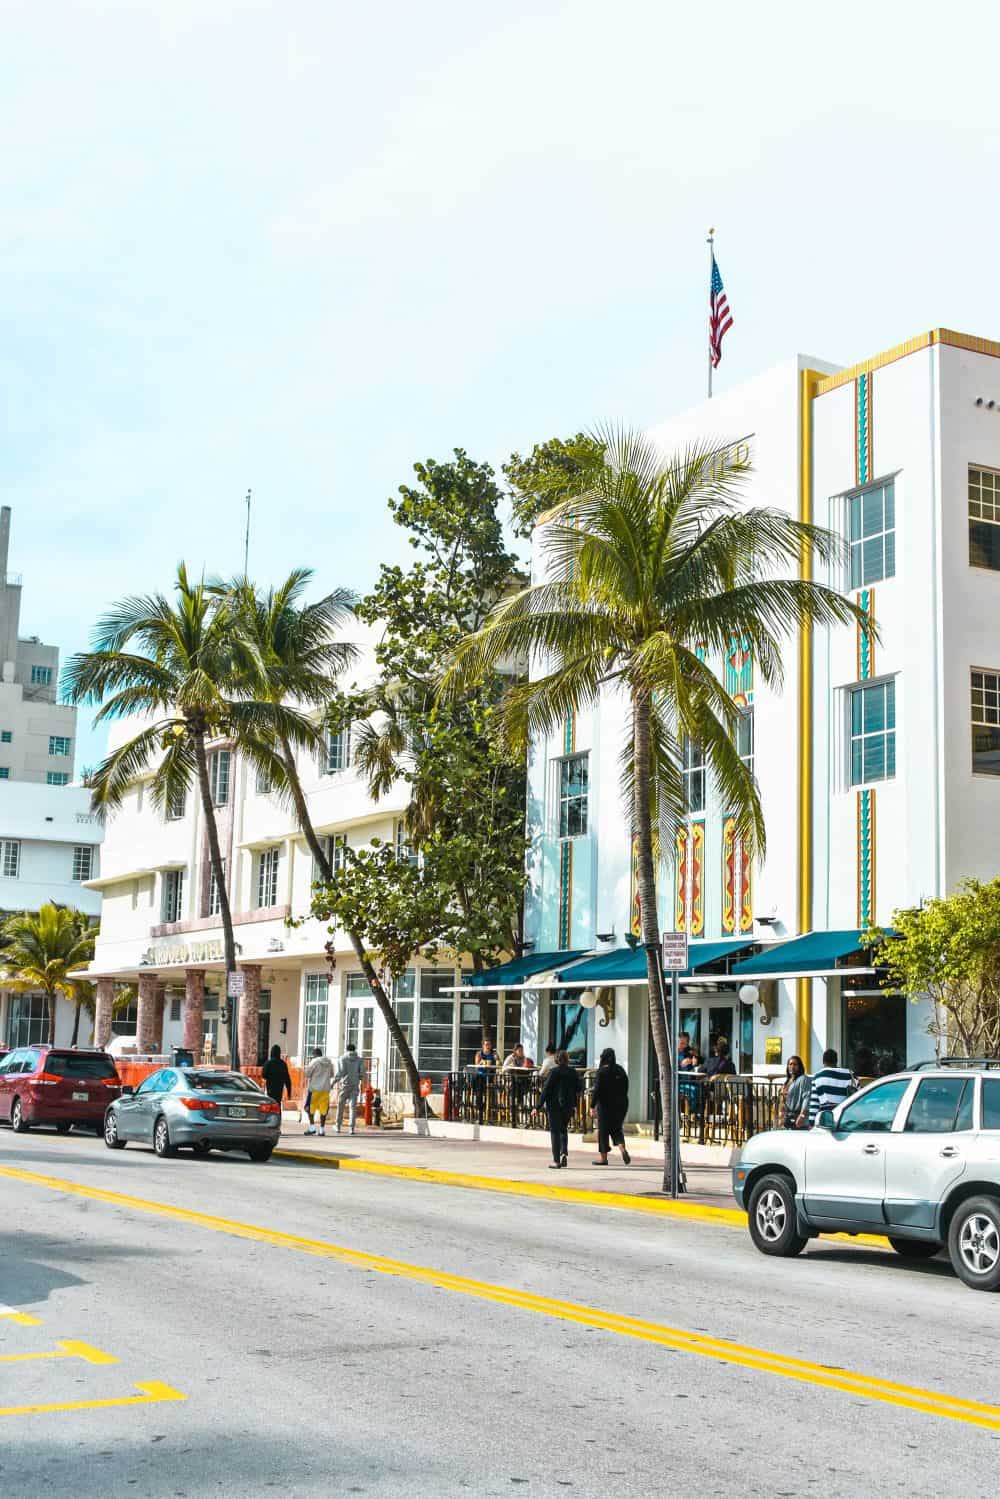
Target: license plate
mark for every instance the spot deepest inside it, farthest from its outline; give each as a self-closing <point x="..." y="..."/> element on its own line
<point x="237" y="1113"/>
<point x="81" y="1097"/>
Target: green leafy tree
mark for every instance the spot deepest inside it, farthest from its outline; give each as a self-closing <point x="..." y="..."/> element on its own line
<point x="286" y="648"/>
<point x="171" y="663"/>
<point x="553" y="472"/>
<point x="39" y="950"/>
<point x="464" y="824"/>
<point x="652" y="560"/>
<point x="949" y="950"/>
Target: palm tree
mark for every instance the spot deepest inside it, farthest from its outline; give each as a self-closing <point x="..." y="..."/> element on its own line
<point x="286" y="649"/>
<point x="40" y="951"/>
<point x="172" y="663"/>
<point x="655" y="567"/>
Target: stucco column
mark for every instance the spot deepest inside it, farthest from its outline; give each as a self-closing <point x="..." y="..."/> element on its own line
<point x="103" y="1012"/>
<point x="249" y="1015"/>
<point x="161" y="1004"/>
<point x="146" y="1022"/>
<point x="194" y="1011"/>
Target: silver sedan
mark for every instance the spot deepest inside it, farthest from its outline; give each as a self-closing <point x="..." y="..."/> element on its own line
<point x="198" y="1107"/>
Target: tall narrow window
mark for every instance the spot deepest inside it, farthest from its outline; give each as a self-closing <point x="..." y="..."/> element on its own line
<point x="871" y="522"/>
<point x="317" y="1006"/>
<point x="986" y="723"/>
<point x="873" y="733"/>
<point x="338" y="852"/>
<point x="214" y="900"/>
<point x="218" y="776"/>
<point x="405" y="852"/>
<point x="984" y="518"/>
<point x="338" y="751"/>
<point x="177" y="805"/>
<point x="10" y="858"/>
<point x="744" y="738"/>
<point x="267" y="877"/>
<point x="173" y="895"/>
<point x="693" y="774"/>
<point x="574" y="793"/>
<point x="83" y="862"/>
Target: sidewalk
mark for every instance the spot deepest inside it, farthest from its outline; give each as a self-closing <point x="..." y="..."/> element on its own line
<point x="509" y="1166"/>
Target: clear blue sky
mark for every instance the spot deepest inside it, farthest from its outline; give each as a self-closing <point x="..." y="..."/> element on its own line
<point x="299" y="245"/>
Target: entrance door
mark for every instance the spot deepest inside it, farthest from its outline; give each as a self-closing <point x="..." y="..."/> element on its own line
<point x="359" y="1028"/>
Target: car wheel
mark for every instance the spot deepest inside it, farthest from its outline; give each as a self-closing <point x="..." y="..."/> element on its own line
<point x="63" y="1127"/>
<point x="112" y="1139"/>
<point x="18" y="1123"/>
<point x="974" y="1243"/>
<point x="202" y="1147"/>
<point x="915" y="1249"/>
<point x="771" y="1217"/>
<point x="161" y="1138"/>
<point x="259" y="1152"/>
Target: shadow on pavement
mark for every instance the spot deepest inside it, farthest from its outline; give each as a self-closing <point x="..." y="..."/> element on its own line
<point x="32" y="1265"/>
<point x="880" y="1259"/>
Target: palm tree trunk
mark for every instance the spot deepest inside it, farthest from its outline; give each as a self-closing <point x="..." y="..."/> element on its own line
<point x="368" y="968"/>
<point x="641" y="731"/>
<point x="76" y="1024"/>
<point x="218" y="870"/>
<point x="53" y="1000"/>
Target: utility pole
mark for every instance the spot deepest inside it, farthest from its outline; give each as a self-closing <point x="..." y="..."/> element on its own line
<point x="246" y="541"/>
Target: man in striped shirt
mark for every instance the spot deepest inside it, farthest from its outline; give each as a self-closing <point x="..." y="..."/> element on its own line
<point x="830" y="1086"/>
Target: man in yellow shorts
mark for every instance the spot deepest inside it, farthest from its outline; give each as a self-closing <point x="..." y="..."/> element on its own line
<point x="319" y="1079"/>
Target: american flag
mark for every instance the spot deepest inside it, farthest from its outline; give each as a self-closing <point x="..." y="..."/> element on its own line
<point x="720" y="319"/>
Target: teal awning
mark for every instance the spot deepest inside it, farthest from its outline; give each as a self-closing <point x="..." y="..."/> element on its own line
<point x="817" y="953"/>
<point x="518" y="970"/>
<point x="628" y="966"/>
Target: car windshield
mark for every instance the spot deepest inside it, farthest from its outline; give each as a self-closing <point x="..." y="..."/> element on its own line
<point x="220" y="1082"/>
<point x="79" y="1064"/>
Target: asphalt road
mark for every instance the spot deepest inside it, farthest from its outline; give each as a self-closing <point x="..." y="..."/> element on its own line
<point x="386" y="1337"/>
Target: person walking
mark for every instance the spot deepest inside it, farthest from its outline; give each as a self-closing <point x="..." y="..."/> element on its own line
<point x="319" y="1077"/>
<point x="830" y="1085"/>
<point x="611" y="1103"/>
<point x="350" y="1071"/>
<point x="559" y="1099"/>
<point x="277" y="1078"/>
<point x="795" y="1094"/>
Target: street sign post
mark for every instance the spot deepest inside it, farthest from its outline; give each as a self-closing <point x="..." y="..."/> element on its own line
<point x="236" y="983"/>
<point x="675" y="961"/>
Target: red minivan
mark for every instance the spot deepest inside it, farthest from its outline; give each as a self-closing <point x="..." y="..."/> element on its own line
<point x="52" y="1085"/>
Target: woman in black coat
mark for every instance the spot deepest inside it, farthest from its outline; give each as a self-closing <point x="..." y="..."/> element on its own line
<point x="559" y="1098"/>
<point x="277" y="1078"/>
<point x="611" y="1103"/>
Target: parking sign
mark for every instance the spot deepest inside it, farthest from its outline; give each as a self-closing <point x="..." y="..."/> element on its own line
<point x="675" y="952"/>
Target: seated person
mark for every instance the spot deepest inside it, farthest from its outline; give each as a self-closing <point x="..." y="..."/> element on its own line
<point x="516" y="1059"/>
<point x="721" y="1064"/>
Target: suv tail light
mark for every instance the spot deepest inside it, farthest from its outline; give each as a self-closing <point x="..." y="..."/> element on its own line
<point x="200" y="1105"/>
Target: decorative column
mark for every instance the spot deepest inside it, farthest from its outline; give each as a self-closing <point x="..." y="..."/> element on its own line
<point x="249" y="1014"/>
<point x="103" y="1012"/>
<point x="161" y="1002"/>
<point x="146" y="1024"/>
<point x="194" y="1011"/>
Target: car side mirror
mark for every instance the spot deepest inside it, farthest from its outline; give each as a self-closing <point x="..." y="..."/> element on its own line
<point x="824" y="1119"/>
<point x="127" y="1088"/>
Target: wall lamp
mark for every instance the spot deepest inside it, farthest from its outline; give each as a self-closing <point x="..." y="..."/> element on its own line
<point x="602" y="998"/>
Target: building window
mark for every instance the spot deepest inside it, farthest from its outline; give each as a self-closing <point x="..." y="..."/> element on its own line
<point x="6" y="736"/>
<point x="986" y="723"/>
<point x="177" y="805"/>
<point x="317" y="1005"/>
<point x="59" y="744"/>
<point x="57" y="778"/>
<point x="263" y="783"/>
<point x="28" y="1020"/>
<point x="337" y="852"/>
<point x="573" y="796"/>
<point x="744" y="738"/>
<point x="403" y="1002"/>
<point x="173" y="895"/>
<point x="873" y="733"/>
<point x="693" y="773"/>
<point x="267" y="877"/>
<point x="83" y="862"/>
<point x="10" y="858"/>
<point x="436" y="1025"/>
<point x="871" y="529"/>
<point x="214" y="901"/>
<point x="218" y="776"/>
<point x="405" y="852"/>
<point x="984" y="518"/>
<point x="41" y="676"/>
<point x="338" y="751"/>
<point x="4" y="772"/>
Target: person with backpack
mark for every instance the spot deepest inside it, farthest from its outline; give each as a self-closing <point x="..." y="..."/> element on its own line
<point x="610" y="1096"/>
<point x="559" y="1098"/>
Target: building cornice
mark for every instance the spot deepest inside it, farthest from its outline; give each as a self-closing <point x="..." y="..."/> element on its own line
<point x="946" y="336"/>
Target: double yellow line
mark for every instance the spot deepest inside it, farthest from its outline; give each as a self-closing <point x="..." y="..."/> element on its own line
<point x="909" y="1397"/>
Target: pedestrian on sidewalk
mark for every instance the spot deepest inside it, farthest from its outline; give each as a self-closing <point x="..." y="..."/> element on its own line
<point x="350" y="1070"/>
<point x="830" y="1085"/>
<point x="319" y="1077"/>
<point x="611" y="1102"/>
<point x="798" y="1086"/>
<point x="277" y="1078"/>
<point x="548" y="1061"/>
<point x="559" y="1099"/>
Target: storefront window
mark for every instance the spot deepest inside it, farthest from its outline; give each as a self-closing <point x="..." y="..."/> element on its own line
<point x="568" y="1027"/>
<point x="28" y="1020"/>
<point x="875" y="1026"/>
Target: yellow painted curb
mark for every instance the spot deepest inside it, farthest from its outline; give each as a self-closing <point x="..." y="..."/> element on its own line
<point x="697" y="1212"/>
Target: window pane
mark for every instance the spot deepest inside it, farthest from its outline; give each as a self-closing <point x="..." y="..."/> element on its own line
<point x="871" y="512"/>
<point x="986" y="751"/>
<point x="890" y="756"/>
<point x="876" y="1111"/>
<point x="874" y="709"/>
<point x="889" y="517"/>
<point x="991" y="1103"/>
<point x="857" y="704"/>
<point x="936" y="1105"/>
<point x="856" y="762"/>
<point x="871" y="568"/>
<point x="873" y="765"/>
<point x="890" y="705"/>
<point x="854" y="517"/>
<point x="890" y="555"/>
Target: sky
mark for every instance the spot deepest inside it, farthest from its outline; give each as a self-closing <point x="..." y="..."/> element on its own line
<point x="299" y="246"/>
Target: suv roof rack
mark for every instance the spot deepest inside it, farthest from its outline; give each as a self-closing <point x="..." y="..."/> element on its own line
<point x="987" y="1064"/>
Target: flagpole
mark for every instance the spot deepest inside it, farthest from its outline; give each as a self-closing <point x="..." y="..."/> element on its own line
<point x="711" y="263"/>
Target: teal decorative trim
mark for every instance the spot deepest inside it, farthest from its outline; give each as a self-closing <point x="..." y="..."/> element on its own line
<point x="866" y="858"/>
<point x="569" y="733"/>
<point x="866" y="635"/>
<point x="863" y="429"/>
<point x="565" y="892"/>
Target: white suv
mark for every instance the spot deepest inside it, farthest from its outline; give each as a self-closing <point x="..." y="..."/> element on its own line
<point x="915" y="1157"/>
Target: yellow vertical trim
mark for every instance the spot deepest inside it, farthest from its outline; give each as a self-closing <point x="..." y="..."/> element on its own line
<point x="808" y="381"/>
